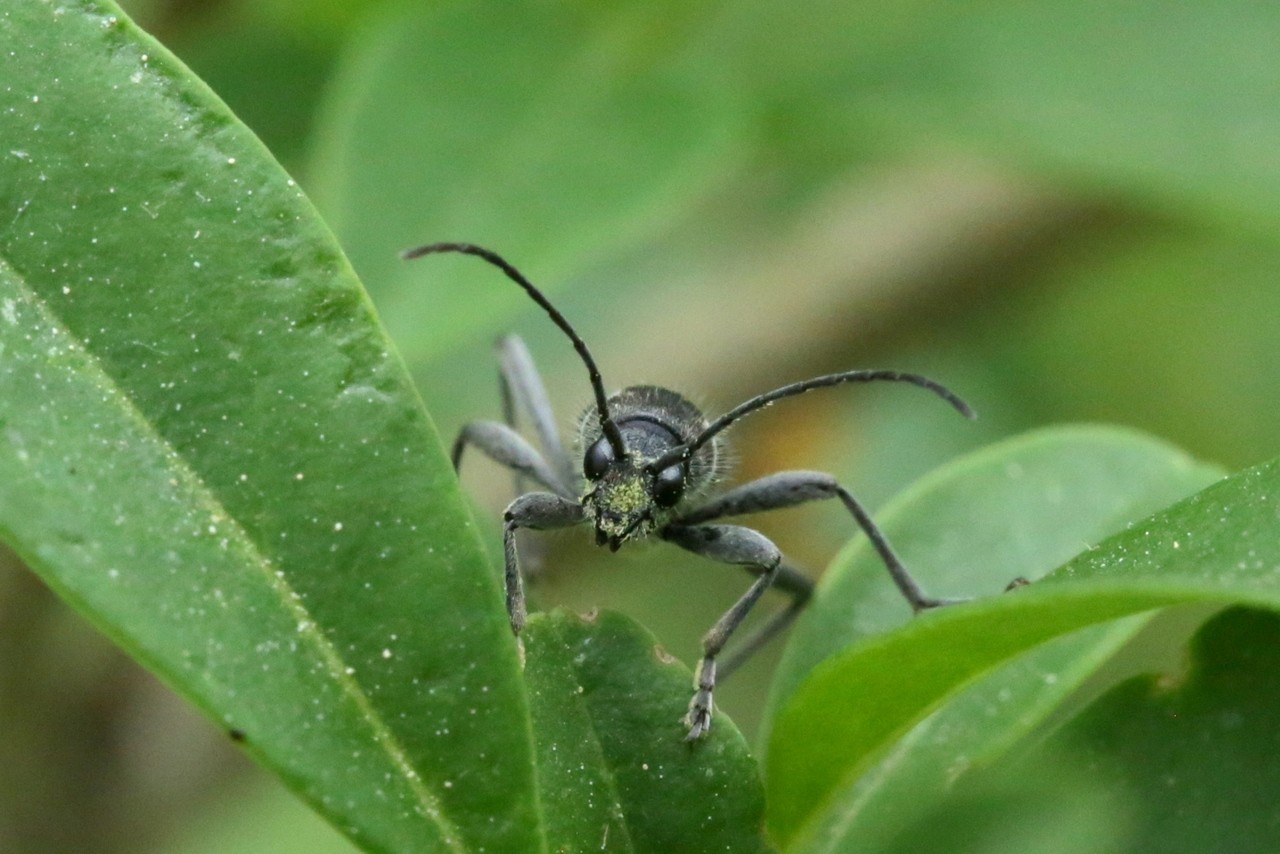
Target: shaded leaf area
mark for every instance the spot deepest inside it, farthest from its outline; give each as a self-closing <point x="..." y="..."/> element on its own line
<point x="919" y="772"/>
<point x="207" y="446"/>
<point x="615" y="773"/>
<point x="1192" y="760"/>
<point x="1020" y="507"/>
<point x="1180" y="763"/>
<point x="548" y="131"/>
<point x="1219" y="545"/>
<point x="1058" y="813"/>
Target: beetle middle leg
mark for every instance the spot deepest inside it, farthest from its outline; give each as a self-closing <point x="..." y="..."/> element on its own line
<point x="788" y="488"/>
<point x="506" y="447"/>
<point x="523" y="393"/>
<point x="739" y="545"/>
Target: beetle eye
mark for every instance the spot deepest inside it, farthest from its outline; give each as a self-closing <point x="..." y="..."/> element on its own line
<point x="598" y="459"/>
<point x="668" y="486"/>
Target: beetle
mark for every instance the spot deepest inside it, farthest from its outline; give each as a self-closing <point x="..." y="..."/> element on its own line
<point x="648" y="457"/>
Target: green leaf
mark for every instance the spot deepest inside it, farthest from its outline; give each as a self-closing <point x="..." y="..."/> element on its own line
<point x="1057" y="811"/>
<point x="208" y="448"/>
<point x="614" y="770"/>
<point x="1220" y="545"/>
<point x="1017" y="508"/>
<point x="981" y="725"/>
<point x="556" y="133"/>
<point x="1188" y="760"/>
<point x="1181" y="762"/>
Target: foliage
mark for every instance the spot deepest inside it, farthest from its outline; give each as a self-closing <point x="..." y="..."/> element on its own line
<point x="210" y="447"/>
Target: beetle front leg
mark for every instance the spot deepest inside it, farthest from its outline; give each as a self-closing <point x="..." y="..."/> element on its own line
<point x="539" y="511"/>
<point x="728" y="544"/>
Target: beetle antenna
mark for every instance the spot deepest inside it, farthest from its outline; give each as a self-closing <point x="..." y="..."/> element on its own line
<point x="685" y="451"/>
<point x="607" y="425"/>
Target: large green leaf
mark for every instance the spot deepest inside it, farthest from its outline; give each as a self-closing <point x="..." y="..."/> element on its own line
<point x="1189" y="760"/>
<point x="209" y="449"/>
<point x="1020" y="507"/>
<point x="207" y="446"/>
<point x="615" y="772"/>
<point x="1220" y="545"/>
<point x="1176" y="762"/>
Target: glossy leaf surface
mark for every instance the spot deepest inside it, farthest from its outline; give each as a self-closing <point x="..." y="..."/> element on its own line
<point x="1216" y="546"/>
<point x="614" y="769"/>
<point x="209" y="448"/>
<point x="1183" y="761"/>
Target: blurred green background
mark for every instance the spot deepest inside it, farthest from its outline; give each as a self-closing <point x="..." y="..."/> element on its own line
<point x="1066" y="212"/>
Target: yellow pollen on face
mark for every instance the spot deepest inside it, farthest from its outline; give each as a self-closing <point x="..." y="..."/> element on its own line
<point x="619" y="500"/>
<point x="629" y="496"/>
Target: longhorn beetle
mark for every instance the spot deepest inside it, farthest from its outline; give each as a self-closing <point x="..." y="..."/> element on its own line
<point x="647" y="454"/>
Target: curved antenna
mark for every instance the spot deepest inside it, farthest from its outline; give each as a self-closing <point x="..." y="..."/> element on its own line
<point x="607" y="426"/>
<point x="685" y="451"/>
